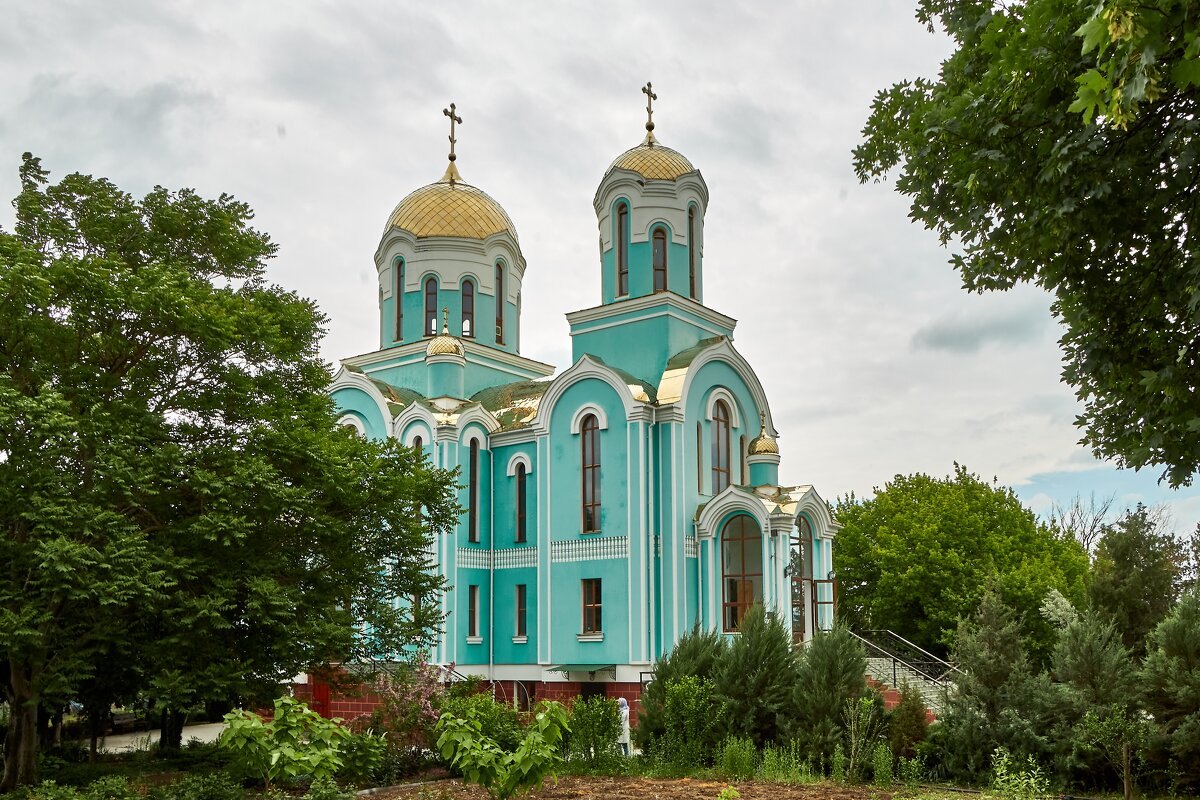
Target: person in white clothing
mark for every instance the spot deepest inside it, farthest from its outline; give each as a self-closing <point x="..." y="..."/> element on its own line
<point x="623" y="739"/>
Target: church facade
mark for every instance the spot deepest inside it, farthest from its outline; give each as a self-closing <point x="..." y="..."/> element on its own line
<point x="611" y="506"/>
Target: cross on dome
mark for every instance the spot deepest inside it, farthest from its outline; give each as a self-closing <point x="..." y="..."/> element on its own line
<point x="452" y="171"/>
<point x="650" y="98"/>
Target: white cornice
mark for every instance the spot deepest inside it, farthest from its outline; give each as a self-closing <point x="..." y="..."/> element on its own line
<point x="585" y="367"/>
<point x="733" y="498"/>
<point x="650" y="302"/>
<point x="348" y="379"/>
<point x="476" y="354"/>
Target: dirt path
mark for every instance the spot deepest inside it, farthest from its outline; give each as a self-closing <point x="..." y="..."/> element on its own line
<point x="579" y="788"/>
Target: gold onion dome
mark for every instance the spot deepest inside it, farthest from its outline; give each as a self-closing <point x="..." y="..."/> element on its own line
<point x="653" y="161"/>
<point x="451" y="208"/>
<point x="445" y="344"/>
<point x="763" y="444"/>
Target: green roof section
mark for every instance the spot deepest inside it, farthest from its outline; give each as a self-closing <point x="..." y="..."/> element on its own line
<point x="684" y="358"/>
<point x="512" y="404"/>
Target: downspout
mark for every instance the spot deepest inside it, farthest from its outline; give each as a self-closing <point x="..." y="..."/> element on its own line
<point x="651" y="482"/>
<point x="492" y="589"/>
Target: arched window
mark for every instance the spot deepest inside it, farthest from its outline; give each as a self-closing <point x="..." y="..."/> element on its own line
<point x="418" y="443"/>
<point x="741" y="570"/>
<point x="468" y="309"/>
<point x="431" y="307"/>
<point x="659" y="253"/>
<point x="398" y="299"/>
<point x="699" y="458"/>
<point x="522" y="496"/>
<point x="589" y="430"/>
<point x="720" y="447"/>
<point x="692" y="251"/>
<point x="473" y="494"/>
<point x="622" y="249"/>
<point x="500" y="295"/>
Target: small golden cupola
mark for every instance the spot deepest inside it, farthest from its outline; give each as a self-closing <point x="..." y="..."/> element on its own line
<point x="445" y="344"/>
<point x="763" y="444"/>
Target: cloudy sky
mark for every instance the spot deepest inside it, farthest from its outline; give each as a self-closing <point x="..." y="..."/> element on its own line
<point x="322" y="116"/>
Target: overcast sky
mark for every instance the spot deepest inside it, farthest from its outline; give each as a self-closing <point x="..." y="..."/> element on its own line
<point x="322" y="116"/>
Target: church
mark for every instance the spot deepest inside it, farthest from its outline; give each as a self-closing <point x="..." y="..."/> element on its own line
<point x="609" y="506"/>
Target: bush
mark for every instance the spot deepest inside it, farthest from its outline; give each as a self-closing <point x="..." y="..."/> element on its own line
<point x="910" y="771"/>
<point x="498" y="721"/>
<point x="909" y="723"/>
<point x="595" y="726"/>
<point x="754" y="679"/>
<point x="881" y="766"/>
<point x="412" y="699"/>
<point x="325" y="788"/>
<point x="201" y="786"/>
<point x="785" y="764"/>
<point x="696" y="654"/>
<point x="362" y="757"/>
<point x="1017" y="783"/>
<point x="297" y="743"/>
<point x="113" y="787"/>
<point x="738" y="759"/>
<point x="692" y="728"/>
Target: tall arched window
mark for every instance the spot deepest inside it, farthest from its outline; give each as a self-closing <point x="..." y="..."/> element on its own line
<point x="500" y="295"/>
<point x="720" y="447"/>
<point x="473" y="494"/>
<point x="589" y="430"/>
<point x="692" y="251"/>
<point x="521" y="503"/>
<point x="741" y="570"/>
<point x="622" y="249"/>
<point x="468" y="309"/>
<point x="431" y="307"/>
<point x="659" y="253"/>
<point x="398" y="299"/>
<point x="418" y="443"/>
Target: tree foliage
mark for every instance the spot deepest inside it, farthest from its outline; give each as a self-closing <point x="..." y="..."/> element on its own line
<point x="697" y="654"/>
<point x="754" y="679"/>
<point x="1171" y="680"/>
<point x="171" y="475"/>
<point x="1058" y="146"/>
<point x="914" y="558"/>
<point x="831" y="673"/>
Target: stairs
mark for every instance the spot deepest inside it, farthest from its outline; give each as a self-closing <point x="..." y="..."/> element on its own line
<point x="893" y="661"/>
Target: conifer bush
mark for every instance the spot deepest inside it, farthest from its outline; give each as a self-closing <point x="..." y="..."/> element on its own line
<point x="1171" y="680"/>
<point x="754" y="679"/>
<point x="831" y="671"/>
<point x="908" y="724"/>
<point x="696" y="654"/>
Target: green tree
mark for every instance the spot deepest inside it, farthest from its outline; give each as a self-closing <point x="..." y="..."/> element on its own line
<point x="831" y="672"/>
<point x="914" y="558"/>
<point x="171" y="476"/>
<point x="754" y="679"/>
<point x="696" y="654"/>
<point x="1171" y="686"/>
<point x="1049" y="122"/>
<point x="1138" y="574"/>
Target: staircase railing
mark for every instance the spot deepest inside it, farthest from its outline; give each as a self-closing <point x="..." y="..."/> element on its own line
<point x="902" y="653"/>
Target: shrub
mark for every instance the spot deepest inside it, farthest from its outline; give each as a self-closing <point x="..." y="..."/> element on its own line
<point x="297" y="743"/>
<point x="412" y="698"/>
<point x="881" y="766"/>
<point x="201" y="786"/>
<point x="862" y="718"/>
<point x="498" y="721"/>
<point x="504" y="774"/>
<point x="362" y="755"/>
<point x="837" y="764"/>
<point x="910" y="771"/>
<point x="112" y="787"/>
<point x="692" y="728"/>
<point x="595" y="726"/>
<point x="909" y="724"/>
<point x="696" y="654"/>
<point x="1015" y="783"/>
<point x="49" y="790"/>
<point x="325" y="788"/>
<point x="738" y="759"/>
<point x="754" y="679"/>
<point x="785" y="764"/>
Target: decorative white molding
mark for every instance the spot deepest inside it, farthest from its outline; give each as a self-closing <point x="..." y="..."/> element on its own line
<point x="691" y="546"/>
<point x="519" y="458"/>
<point x="472" y="436"/>
<point x="473" y="558"/>
<point x="732" y="499"/>
<point x="816" y="509"/>
<point x="715" y="319"/>
<point x="352" y="421"/>
<point x="724" y="351"/>
<point x="414" y="412"/>
<point x="584" y="368"/>
<point x="346" y="379"/>
<point x="516" y="557"/>
<point x="478" y="414"/>
<point x="583" y="411"/>
<point x="721" y="393"/>
<point x="593" y="548"/>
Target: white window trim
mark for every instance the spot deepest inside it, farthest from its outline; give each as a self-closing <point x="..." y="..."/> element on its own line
<point x="721" y="393"/>
<point x="519" y="458"/>
<point x="352" y="421"/>
<point x="583" y="411"/>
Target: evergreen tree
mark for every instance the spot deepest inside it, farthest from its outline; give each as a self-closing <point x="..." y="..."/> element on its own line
<point x="696" y="654"/>
<point x="831" y="670"/>
<point x="1171" y="680"/>
<point x="754" y="679"/>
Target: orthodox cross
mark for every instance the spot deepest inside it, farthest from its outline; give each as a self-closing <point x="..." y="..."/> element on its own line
<point x="762" y="418"/>
<point x="650" y="98"/>
<point x="445" y="309"/>
<point x="452" y="171"/>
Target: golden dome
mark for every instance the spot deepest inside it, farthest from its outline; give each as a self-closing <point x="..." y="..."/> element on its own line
<point x="445" y="344"/>
<point x="763" y="445"/>
<point x="653" y="161"/>
<point x="451" y="208"/>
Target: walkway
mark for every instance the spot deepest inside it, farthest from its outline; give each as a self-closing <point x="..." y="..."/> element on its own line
<point x="144" y="740"/>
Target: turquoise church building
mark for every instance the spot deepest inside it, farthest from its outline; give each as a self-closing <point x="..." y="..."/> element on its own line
<point x="609" y="506"/>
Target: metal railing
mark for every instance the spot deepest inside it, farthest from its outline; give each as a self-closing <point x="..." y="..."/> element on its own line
<point x="906" y="657"/>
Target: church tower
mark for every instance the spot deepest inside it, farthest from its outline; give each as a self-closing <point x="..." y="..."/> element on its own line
<point x="650" y="208"/>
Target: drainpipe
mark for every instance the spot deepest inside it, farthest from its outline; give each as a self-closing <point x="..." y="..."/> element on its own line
<point x="492" y="592"/>
<point x="652" y="524"/>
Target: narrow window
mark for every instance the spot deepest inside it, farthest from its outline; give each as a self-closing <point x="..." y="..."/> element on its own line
<point x="468" y="309"/>
<point x="431" y="307"/>
<point x="521" y="500"/>
<point x="398" y="299"/>
<point x="742" y="457"/>
<point x="659" y="251"/>
<point x="500" y="303"/>
<point x="699" y="459"/>
<point x="418" y="443"/>
<point x="473" y="494"/>
<point x="591" y="606"/>
<point x="590" y="461"/>
<point x="720" y="447"/>
<point x="622" y="249"/>
<point x="473" y="611"/>
<point x="741" y="570"/>
<point x="692" y="251"/>
<point x="521" y="609"/>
